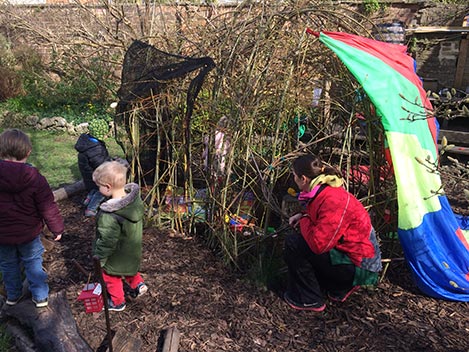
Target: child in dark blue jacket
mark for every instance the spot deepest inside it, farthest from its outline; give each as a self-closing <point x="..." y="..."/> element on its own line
<point x="92" y="152"/>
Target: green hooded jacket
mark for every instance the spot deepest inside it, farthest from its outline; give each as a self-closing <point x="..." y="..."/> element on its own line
<point x="119" y="233"/>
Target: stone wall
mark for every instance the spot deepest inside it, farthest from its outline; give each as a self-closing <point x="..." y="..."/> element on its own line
<point x="436" y="52"/>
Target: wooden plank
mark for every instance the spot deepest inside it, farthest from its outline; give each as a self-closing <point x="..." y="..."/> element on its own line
<point x="459" y="138"/>
<point x="457" y="150"/>
<point x="461" y="66"/>
<point x="171" y="340"/>
<point x="455" y="137"/>
<point x="437" y="29"/>
<point x="124" y="342"/>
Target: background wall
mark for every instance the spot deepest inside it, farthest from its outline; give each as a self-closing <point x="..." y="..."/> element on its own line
<point x="436" y="52"/>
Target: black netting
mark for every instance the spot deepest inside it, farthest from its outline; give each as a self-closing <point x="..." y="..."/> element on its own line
<point x="147" y="72"/>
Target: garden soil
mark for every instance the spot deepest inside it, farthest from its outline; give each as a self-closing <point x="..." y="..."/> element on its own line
<point x="216" y="309"/>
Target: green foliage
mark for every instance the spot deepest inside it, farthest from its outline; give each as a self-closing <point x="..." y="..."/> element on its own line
<point x="28" y="59"/>
<point x="267" y="268"/>
<point x="7" y="59"/>
<point x="371" y="6"/>
<point x="75" y="113"/>
<point x="79" y="92"/>
<point x="74" y="98"/>
<point x="205" y="118"/>
<point x="98" y="128"/>
<point x="5" y="340"/>
<point x="10" y="82"/>
<point x="412" y="45"/>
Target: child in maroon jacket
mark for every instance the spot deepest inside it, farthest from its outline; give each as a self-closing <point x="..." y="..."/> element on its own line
<point x="26" y="204"/>
<point x="334" y="249"/>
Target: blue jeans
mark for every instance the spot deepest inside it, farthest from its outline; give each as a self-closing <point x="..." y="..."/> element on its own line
<point x="30" y="255"/>
<point x="96" y="198"/>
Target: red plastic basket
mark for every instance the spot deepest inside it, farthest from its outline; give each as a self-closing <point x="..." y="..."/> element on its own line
<point x="92" y="298"/>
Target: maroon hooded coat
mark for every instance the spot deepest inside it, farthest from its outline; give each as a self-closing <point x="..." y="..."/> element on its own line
<point x="26" y="204"/>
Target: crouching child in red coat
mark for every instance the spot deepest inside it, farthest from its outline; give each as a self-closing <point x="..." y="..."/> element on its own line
<point x="334" y="249"/>
<point x="119" y="232"/>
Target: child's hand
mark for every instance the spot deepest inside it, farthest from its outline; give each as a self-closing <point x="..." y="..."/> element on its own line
<point x="58" y="237"/>
<point x="293" y="221"/>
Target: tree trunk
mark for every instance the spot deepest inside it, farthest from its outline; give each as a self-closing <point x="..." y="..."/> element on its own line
<point x="51" y="329"/>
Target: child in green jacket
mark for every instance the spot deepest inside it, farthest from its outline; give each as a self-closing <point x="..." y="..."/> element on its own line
<point x="119" y="232"/>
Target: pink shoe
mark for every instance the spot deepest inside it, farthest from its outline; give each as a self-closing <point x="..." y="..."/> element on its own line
<point x="342" y="296"/>
<point x="90" y="213"/>
<point x="314" y="307"/>
<point x="86" y="201"/>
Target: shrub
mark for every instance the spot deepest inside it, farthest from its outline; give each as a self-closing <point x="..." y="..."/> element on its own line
<point x="371" y="6"/>
<point x="79" y="92"/>
<point x="10" y="84"/>
<point x="7" y="58"/>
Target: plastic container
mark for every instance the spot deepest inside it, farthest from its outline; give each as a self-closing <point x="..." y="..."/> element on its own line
<point x="92" y="298"/>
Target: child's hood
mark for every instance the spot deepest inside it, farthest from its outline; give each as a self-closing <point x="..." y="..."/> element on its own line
<point x="14" y="176"/>
<point x="85" y="142"/>
<point x="129" y="207"/>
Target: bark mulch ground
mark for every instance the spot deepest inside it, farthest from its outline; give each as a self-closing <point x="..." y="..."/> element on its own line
<point x="216" y="309"/>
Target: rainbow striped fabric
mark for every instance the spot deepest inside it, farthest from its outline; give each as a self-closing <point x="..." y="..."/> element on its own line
<point x="435" y="246"/>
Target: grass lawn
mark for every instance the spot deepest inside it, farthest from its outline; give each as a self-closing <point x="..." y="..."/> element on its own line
<point x="5" y="340"/>
<point x="56" y="158"/>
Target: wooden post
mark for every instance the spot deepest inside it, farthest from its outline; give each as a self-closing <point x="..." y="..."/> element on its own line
<point x="99" y="274"/>
<point x="327" y="102"/>
<point x="171" y="340"/>
<point x="462" y="68"/>
<point x="123" y="342"/>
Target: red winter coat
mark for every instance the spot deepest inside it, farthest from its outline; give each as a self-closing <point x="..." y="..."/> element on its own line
<point x="336" y="219"/>
<point x="26" y="203"/>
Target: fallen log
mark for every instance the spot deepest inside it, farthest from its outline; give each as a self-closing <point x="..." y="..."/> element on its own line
<point x="51" y="329"/>
<point x="68" y="190"/>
